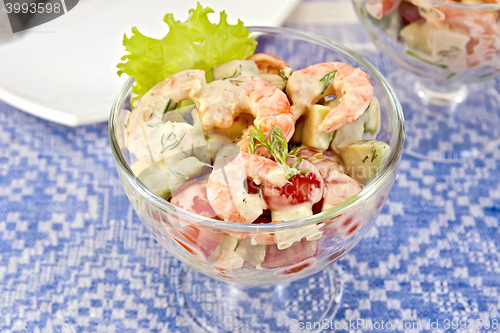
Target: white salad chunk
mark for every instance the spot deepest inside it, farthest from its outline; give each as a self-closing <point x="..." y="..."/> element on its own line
<point x="155" y="141"/>
<point x="234" y="69"/>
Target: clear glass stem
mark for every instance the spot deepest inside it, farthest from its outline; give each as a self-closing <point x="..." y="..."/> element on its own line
<point x="438" y="93"/>
<point x="211" y="305"/>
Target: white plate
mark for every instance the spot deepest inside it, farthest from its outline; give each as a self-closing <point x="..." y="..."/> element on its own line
<point x="65" y="70"/>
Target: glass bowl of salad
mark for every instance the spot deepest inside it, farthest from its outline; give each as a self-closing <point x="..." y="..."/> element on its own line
<point x="247" y="264"/>
<point x="451" y="49"/>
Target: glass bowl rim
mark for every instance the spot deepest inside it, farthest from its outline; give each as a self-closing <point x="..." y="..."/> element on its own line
<point x="379" y="180"/>
<point x="459" y="5"/>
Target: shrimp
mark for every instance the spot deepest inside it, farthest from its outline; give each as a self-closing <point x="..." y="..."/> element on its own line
<point x="381" y="8"/>
<point x="267" y="63"/>
<point x="219" y="102"/>
<point x="307" y="86"/>
<point x="223" y="100"/>
<point x="338" y="188"/>
<point x="481" y="26"/>
<point x="166" y="94"/>
<point x="226" y="191"/>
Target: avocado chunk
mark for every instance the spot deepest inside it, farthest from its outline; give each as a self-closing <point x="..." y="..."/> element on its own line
<point x="372" y="117"/>
<point x="417" y="36"/>
<point x="310" y="135"/>
<point x="299" y="128"/>
<point x="369" y="123"/>
<point x="364" y="159"/>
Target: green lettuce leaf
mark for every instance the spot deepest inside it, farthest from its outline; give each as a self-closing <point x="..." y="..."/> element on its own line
<point x="194" y="44"/>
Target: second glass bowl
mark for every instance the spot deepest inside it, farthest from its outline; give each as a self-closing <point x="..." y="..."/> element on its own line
<point x="449" y="48"/>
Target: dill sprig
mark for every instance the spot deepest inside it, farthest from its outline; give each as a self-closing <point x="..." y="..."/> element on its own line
<point x="294" y="150"/>
<point x="168" y="105"/>
<point x="327" y="79"/>
<point x="252" y="146"/>
<point x="277" y="146"/>
<point x="282" y="75"/>
<point x="173" y="144"/>
<point x="232" y="78"/>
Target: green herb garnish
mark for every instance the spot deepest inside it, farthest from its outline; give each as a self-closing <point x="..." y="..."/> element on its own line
<point x="413" y="54"/>
<point x="486" y="75"/>
<point x="294" y="150"/>
<point x="168" y="105"/>
<point x="326" y="79"/>
<point x="174" y="144"/>
<point x="231" y="77"/>
<point x="282" y="75"/>
<point x="451" y="53"/>
<point x="177" y="142"/>
<point x="277" y="146"/>
<point x="252" y="146"/>
<point x="177" y="173"/>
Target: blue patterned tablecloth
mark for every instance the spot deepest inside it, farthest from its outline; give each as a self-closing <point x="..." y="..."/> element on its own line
<point x="74" y="257"/>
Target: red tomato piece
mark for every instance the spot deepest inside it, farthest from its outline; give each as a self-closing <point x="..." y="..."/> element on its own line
<point x="409" y="13"/>
<point x="300" y="188"/>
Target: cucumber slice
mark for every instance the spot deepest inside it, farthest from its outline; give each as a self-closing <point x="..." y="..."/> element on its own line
<point x="299" y="128"/>
<point x="372" y="119"/>
<point x="234" y="69"/>
<point x="351" y="133"/>
<point x="153" y="176"/>
<point x="183" y="103"/>
<point x="310" y="135"/>
<point x="278" y="80"/>
<point x="364" y="159"/>
<point x="275" y="80"/>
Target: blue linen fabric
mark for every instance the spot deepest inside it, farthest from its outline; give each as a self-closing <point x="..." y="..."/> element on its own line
<point x="74" y="257"/>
